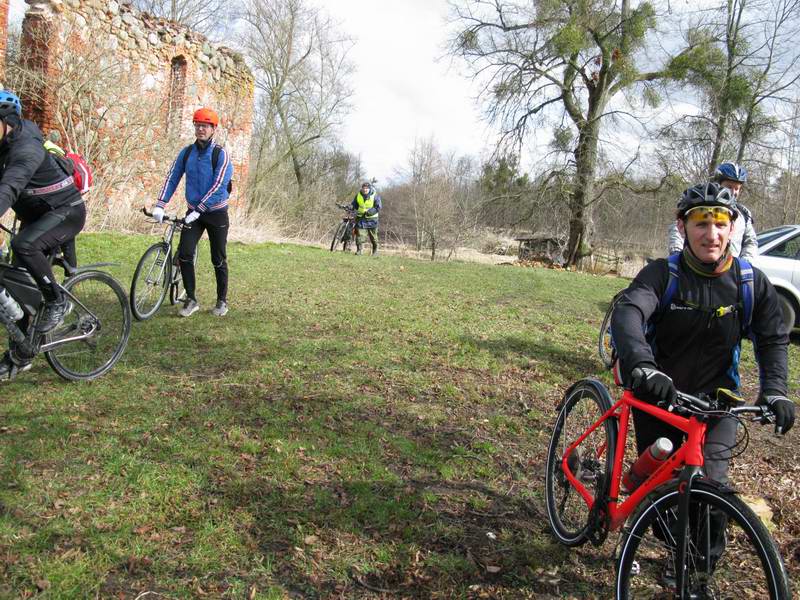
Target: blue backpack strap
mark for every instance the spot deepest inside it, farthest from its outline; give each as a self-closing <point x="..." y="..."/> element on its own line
<point x="747" y="290"/>
<point x="673" y="261"/>
<point x="188" y="150"/>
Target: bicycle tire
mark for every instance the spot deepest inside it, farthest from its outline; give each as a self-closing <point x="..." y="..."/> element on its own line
<point x="604" y="348"/>
<point x="176" y="285"/>
<point x="570" y="518"/>
<point x="337" y="236"/>
<point x="748" y="567"/>
<point x="88" y="359"/>
<point x="148" y="292"/>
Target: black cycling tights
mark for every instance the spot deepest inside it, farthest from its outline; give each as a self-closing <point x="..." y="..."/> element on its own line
<point x="216" y="223"/>
<point x="36" y="239"/>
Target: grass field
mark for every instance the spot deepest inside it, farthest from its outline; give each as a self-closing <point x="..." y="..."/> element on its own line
<point x="353" y="428"/>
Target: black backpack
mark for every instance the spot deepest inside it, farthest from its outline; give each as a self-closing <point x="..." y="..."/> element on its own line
<point x="214" y="161"/>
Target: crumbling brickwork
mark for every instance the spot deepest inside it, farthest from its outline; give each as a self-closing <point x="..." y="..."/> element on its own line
<point x="159" y="70"/>
<point x="3" y="37"/>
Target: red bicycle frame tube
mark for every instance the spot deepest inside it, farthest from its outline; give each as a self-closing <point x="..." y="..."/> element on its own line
<point x="690" y="453"/>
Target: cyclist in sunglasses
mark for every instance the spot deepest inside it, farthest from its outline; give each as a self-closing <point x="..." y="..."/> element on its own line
<point x="692" y="341"/>
<point x="744" y="243"/>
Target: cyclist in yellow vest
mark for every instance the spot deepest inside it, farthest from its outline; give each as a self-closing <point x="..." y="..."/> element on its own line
<point x="367" y="204"/>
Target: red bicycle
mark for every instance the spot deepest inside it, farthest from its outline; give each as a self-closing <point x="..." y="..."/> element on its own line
<point x="684" y="536"/>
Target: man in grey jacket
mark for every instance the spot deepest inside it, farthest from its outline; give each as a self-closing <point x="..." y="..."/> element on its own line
<point x="743" y="240"/>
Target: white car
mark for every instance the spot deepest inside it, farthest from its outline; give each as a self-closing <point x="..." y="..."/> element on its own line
<point x="779" y="258"/>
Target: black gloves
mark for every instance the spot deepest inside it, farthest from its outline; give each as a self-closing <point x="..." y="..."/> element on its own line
<point x="651" y="385"/>
<point x="783" y="408"/>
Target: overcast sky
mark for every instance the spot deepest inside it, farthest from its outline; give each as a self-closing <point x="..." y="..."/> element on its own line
<point x="405" y="86"/>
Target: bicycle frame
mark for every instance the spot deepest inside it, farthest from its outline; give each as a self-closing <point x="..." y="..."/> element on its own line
<point x="689" y="454"/>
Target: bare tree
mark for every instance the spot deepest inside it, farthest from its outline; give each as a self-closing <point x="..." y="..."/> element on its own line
<point x="302" y="71"/>
<point x="442" y="197"/>
<point x="212" y="18"/>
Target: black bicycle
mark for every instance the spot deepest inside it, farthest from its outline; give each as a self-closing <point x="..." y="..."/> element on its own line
<point x="157" y="273"/>
<point x="95" y="329"/>
<point x="346" y="230"/>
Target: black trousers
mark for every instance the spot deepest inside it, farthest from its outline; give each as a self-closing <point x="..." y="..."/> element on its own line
<point x="39" y="237"/>
<point x="217" y="224"/>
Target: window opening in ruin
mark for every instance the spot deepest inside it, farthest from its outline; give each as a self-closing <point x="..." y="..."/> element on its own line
<point x="177" y="92"/>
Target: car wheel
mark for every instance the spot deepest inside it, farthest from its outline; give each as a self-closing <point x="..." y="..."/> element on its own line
<point x="787" y="308"/>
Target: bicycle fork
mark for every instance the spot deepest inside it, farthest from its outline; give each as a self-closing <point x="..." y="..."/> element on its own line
<point x="687" y="476"/>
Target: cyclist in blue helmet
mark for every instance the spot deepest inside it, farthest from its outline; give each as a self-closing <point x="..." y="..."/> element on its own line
<point x="744" y="243"/>
<point x="50" y="210"/>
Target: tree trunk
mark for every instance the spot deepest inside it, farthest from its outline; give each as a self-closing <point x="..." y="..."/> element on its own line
<point x="579" y="243"/>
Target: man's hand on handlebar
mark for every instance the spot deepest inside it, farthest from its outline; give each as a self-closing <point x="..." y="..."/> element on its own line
<point x="158" y="214"/>
<point x="782" y="408"/>
<point x="652" y="385"/>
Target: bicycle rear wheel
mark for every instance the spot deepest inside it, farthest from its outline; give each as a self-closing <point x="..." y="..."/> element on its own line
<point x="604" y="347"/>
<point x="730" y="552"/>
<point x="150" y="281"/>
<point x="591" y="462"/>
<point x="177" y="293"/>
<point x="337" y="235"/>
<point x="107" y="318"/>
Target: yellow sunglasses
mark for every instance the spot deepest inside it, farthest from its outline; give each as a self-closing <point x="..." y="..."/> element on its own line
<point x="719" y="214"/>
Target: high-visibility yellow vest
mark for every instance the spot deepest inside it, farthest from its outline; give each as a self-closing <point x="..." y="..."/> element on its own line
<point x="364" y="204"/>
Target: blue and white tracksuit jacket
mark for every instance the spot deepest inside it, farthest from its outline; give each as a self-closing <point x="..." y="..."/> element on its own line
<point x="206" y="188"/>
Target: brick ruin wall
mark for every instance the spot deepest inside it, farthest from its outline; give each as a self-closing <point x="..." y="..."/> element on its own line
<point x="161" y="72"/>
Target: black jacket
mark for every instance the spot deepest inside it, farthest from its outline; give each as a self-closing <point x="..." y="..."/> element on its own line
<point x="25" y="164"/>
<point x="699" y="350"/>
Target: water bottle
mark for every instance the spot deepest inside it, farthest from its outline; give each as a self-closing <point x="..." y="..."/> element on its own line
<point x="10" y="310"/>
<point x="647" y="463"/>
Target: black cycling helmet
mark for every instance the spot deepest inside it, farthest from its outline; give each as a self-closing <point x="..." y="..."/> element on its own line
<point x="9" y="104"/>
<point x="707" y="194"/>
<point x="730" y="171"/>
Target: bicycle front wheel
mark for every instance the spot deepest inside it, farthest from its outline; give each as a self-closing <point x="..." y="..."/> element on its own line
<point x="730" y="554"/>
<point x="150" y="281"/>
<point x="590" y="462"/>
<point x="105" y="321"/>
<point x="337" y="235"/>
<point x="604" y="347"/>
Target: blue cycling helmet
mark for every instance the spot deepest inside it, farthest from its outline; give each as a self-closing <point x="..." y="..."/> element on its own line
<point x="730" y="171"/>
<point x="707" y="194"/>
<point x="9" y="104"/>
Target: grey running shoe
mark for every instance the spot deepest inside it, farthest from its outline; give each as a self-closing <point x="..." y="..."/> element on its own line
<point x="52" y="316"/>
<point x="190" y="307"/>
<point x="221" y="309"/>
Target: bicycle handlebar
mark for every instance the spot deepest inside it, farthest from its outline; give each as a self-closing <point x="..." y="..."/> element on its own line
<point x="166" y="218"/>
<point x="704" y="403"/>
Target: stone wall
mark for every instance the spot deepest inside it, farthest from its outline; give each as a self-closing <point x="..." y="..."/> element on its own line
<point x="121" y="86"/>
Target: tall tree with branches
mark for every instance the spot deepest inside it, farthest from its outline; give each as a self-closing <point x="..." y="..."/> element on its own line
<point x="302" y="71"/>
<point x="560" y="57"/>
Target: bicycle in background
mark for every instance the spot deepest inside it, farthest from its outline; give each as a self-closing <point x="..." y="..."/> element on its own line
<point x="157" y="273"/>
<point x="96" y="327"/>
<point x="345" y="232"/>
<point x="671" y="523"/>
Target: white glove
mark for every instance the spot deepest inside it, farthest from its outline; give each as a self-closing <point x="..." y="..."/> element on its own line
<point x="191" y="217"/>
<point x="158" y="214"/>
